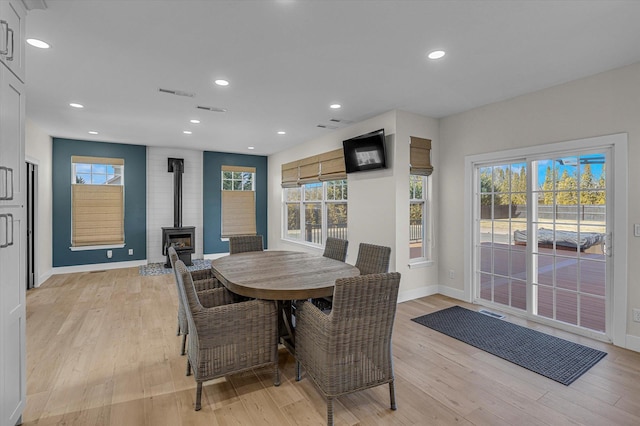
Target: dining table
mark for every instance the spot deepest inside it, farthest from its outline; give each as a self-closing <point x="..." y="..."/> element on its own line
<point x="281" y="276"/>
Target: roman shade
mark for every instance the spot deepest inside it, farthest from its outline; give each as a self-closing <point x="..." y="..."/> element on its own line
<point x="97" y="214"/>
<point x="317" y="168"/>
<point x="420" y="156"/>
<point x="238" y="206"/>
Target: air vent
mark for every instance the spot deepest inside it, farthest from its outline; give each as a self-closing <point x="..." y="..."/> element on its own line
<point x="338" y="120"/>
<point x="177" y="92"/>
<point x="491" y="314"/>
<point x="213" y="109"/>
<point x="327" y="126"/>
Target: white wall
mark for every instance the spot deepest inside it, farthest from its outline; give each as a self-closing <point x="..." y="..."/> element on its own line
<point x="378" y="205"/>
<point x="603" y="104"/>
<point x="39" y="149"/>
<point x="160" y="197"/>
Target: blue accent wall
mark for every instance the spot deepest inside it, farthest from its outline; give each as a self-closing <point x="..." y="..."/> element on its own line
<point x="212" y="163"/>
<point x="135" y="201"/>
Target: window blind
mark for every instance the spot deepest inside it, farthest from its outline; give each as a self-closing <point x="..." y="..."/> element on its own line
<point x="420" y="156"/>
<point x="238" y="213"/>
<point x="317" y="168"/>
<point x="97" y="215"/>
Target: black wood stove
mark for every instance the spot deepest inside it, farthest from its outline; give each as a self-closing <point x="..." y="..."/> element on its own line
<point x="181" y="238"/>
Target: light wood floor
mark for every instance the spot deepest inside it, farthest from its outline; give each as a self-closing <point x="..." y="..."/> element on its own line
<point x="102" y="350"/>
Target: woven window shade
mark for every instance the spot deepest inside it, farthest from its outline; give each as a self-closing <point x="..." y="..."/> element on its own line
<point x="97" y="160"/>
<point x="420" y="156"/>
<point x="309" y="169"/>
<point x="332" y="165"/>
<point x="97" y="215"/>
<point x="290" y="175"/>
<point x="238" y="213"/>
<point x="243" y="169"/>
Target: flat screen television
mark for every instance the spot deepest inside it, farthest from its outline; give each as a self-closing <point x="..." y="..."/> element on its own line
<point x="365" y="152"/>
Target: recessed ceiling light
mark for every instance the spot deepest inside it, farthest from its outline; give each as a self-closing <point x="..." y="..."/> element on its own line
<point x="194" y="121"/>
<point x="187" y="132"/>
<point x="251" y="147"/>
<point x="282" y="132"/>
<point x="436" y="54"/>
<point x="335" y="106"/>
<point x="38" y="43"/>
<point x="75" y="105"/>
<point x="221" y="82"/>
<point x="93" y="132"/>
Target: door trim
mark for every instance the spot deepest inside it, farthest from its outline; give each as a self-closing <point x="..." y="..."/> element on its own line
<point x="617" y="298"/>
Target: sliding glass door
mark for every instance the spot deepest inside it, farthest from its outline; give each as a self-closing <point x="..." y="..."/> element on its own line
<point x="541" y="236"/>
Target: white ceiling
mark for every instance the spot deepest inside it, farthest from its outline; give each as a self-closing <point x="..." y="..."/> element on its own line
<point x="287" y="61"/>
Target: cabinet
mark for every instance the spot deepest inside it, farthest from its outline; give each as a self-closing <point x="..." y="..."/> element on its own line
<point x="12" y="35"/>
<point x="12" y="214"/>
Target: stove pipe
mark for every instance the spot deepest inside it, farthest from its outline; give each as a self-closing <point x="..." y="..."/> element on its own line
<point x="176" y="165"/>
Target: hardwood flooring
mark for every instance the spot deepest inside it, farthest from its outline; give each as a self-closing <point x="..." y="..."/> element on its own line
<point x="102" y="350"/>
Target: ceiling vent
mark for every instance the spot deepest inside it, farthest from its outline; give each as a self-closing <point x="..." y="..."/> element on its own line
<point x="34" y="4"/>
<point x="213" y="109"/>
<point x="340" y="121"/>
<point x="327" y="126"/>
<point x="177" y="92"/>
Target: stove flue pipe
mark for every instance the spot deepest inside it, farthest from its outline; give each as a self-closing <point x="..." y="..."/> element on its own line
<point x="176" y="166"/>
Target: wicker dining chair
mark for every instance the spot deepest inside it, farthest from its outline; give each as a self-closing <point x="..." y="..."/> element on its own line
<point x="373" y="259"/>
<point x="244" y="243"/>
<point x="349" y="349"/>
<point x="335" y="248"/>
<point x="202" y="280"/>
<point x="226" y="338"/>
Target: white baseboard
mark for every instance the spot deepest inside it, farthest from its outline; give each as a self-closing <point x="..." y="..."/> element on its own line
<point x="417" y="293"/>
<point x="97" y="267"/>
<point x="451" y="292"/>
<point x="633" y="343"/>
<point x="212" y="256"/>
<point x="43" y="277"/>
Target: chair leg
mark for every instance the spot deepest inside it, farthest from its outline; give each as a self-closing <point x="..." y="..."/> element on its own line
<point x="329" y="412"/>
<point x="188" y="367"/>
<point x="297" y="371"/>
<point x="198" y="396"/>
<point x="392" y="395"/>
<point x="184" y="344"/>
<point x="178" y="331"/>
<point x="276" y="381"/>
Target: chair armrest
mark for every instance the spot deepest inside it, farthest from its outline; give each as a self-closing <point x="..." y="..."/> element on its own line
<point x="252" y="320"/>
<point x="313" y="325"/>
<point x="202" y="274"/>
<point x="215" y="297"/>
<point x="206" y="284"/>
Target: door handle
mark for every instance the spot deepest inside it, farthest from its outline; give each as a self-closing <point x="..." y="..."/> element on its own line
<point x="6" y="171"/>
<point x="5" y="37"/>
<point x="7" y="243"/>
<point x="10" y="57"/>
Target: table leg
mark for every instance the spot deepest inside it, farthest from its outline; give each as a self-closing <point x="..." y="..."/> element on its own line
<point x="285" y="327"/>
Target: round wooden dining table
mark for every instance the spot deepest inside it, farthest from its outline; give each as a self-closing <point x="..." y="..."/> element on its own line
<point x="280" y="275"/>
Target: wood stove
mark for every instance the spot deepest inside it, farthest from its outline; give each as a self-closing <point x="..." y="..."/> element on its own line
<point x="181" y="238"/>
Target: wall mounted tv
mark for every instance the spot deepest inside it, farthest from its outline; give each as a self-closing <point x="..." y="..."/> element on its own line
<point x="365" y="152"/>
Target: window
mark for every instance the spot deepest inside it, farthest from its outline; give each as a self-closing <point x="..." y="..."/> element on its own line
<point x="417" y="217"/>
<point x="97" y="196"/>
<point x="238" y="201"/>
<point x="315" y="211"/>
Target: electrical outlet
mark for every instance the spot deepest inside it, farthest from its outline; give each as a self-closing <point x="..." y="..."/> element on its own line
<point x="636" y="229"/>
<point x="452" y="274"/>
<point x="130" y="252"/>
<point x="109" y="254"/>
<point x="636" y="315"/>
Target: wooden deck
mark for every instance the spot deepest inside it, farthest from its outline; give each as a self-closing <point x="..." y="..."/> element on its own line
<point x="579" y="289"/>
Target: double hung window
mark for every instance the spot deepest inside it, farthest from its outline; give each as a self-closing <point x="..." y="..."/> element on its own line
<point x="238" y="201"/>
<point x="97" y="196"/>
<point x="315" y="211"/>
<point x="418" y="216"/>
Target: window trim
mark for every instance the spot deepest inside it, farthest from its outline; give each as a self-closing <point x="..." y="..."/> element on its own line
<point x="427" y="220"/>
